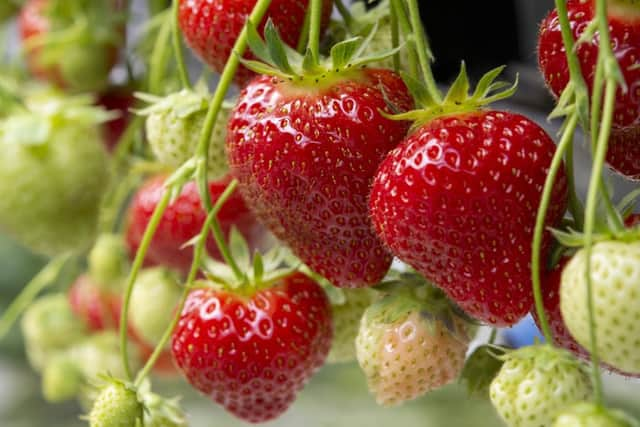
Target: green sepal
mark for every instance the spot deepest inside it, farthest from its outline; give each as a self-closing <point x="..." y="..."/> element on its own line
<point x="342" y="53"/>
<point x="182" y="104"/>
<point x="26" y="129"/>
<point x="459" y="90"/>
<point x="546" y="358"/>
<point x="277" y="50"/>
<point x="480" y="369"/>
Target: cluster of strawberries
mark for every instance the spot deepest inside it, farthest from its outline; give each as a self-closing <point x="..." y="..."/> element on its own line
<point x="342" y="163"/>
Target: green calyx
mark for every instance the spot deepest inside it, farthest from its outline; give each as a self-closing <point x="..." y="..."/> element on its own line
<point x="35" y="127"/>
<point x="545" y="358"/>
<point x="458" y="100"/>
<point x="253" y="272"/>
<point x="481" y="368"/>
<point x="159" y="411"/>
<point x="408" y="292"/>
<point x="182" y="104"/>
<point x="278" y="59"/>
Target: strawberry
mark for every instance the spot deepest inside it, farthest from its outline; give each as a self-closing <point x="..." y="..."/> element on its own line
<point x="53" y="173"/>
<point x="561" y="335"/>
<point x="118" y="100"/>
<point x="72" y="44"/>
<point x="346" y="314"/>
<point x="98" y="308"/>
<point x="408" y="347"/>
<point x="304" y="147"/>
<point x="211" y="27"/>
<point x="586" y="414"/>
<point x="117" y="405"/>
<point x="174" y="124"/>
<point x="271" y="330"/>
<point x="624" y="26"/>
<point x="615" y="280"/>
<point x="457" y="201"/>
<point x="149" y="321"/>
<point x="183" y="220"/>
<point x="49" y="327"/>
<point x="108" y="262"/>
<point x="61" y="379"/>
<point x="535" y="383"/>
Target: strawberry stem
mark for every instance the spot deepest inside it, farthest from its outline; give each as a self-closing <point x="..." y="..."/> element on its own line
<point x="405" y="27"/>
<point x="575" y="205"/>
<point x="314" y="29"/>
<point x="46" y="277"/>
<point x="304" y="34"/>
<point x="133" y="274"/>
<point x="554" y="168"/>
<point x="345" y="13"/>
<point x="198" y="252"/>
<point x="395" y="35"/>
<point x="424" y="52"/>
<point x="226" y="78"/>
<point x="177" y="46"/>
<point x="159" y="56"/>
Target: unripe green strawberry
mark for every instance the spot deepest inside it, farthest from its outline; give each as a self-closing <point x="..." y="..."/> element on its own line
<point x="346" y="315"/>
<point x="174" y="125"/>
<point x="108" y="261"/>
<point x="49" y="327"/>
<point x="535" y="383"/>
<point x="587" y="414"/>
<point x="117" y="405"/>
<point x="615" y="278"/>
<point x="153" y="302"/>
<point x="53" y="172"/>
<point x="61" y="379"/>
<point x="406" y="351"/>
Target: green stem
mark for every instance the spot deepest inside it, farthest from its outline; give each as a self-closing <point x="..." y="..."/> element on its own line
<point x="159" y="57"/>
<point x="46" y="277"/>
<point x="314" y="29"/>
<point x="304" y="34"/>
<point x="177" y="46"/>
<point x="226" y="78"/>
<point x="135" y="268"/>
<point x="405" y="29"/>
<point x="195" y="265"/>
<point x="567" y="39"/>
<point x="424" y="52"/>
<point x="554" y="168"/>
<point x="345" y="13"/>
<point x="156" y="6"/>
<point x="590" y="216"/>
<point x="395" y="35"/>
<point x="575" y="205"/>
<point x="493" y="336"/>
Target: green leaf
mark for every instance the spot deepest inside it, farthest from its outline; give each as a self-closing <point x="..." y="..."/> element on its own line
<point x="275" y="45"/>
<point x="26" y="129"/>
<point x="483" y="86"/>
<point x="418" y="90"/>
<point x="239" y="249"/>
<point x="263" y="68"/>
<point x="459" y="90"/>
<point x="480" y="369"/>
<point x="256" y="44"/>
<point x="342" y="53"/>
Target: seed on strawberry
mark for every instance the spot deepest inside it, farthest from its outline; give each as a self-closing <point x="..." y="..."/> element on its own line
<point x="117" y="405"/>
<point x="535" y="383"/>
<point x="346" y="315"/>
<point x="585" y="414"/>
<point x="174" y="124"/>
<point x="406" y="351"/>
<point x="615" y="279"/>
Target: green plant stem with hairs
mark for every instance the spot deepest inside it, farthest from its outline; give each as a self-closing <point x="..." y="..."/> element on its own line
<point x="198" y="252"/>
<point x="556" y="163"/>
<point x="424" y="52"/>
<point x="404" y="27"/>
<point x="177" y="46"/>
<point x="395" y="35"/>
<point x="315" y="21"/>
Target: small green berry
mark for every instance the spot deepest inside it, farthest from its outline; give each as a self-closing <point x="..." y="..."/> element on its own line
<point x="61" y="379"/>
<point x="117" y="405"/>
<point x="108" y="261"/>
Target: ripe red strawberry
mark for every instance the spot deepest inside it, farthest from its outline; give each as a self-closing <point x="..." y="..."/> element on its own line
<point x="252" y="352"/>
<point x="118" y="100"/>
<point x="80" y="59"/>
<point x="99" y="309"/>
<point x="211" y="27"/>
<point x="624" y="26"/>
<point x="305" y="157"/>
<point x="561" y="335"/>
<point x="457" y="200"/>
<point x="183" y="220"/>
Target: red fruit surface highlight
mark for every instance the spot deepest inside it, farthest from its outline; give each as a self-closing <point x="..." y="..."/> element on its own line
<point x="211" y="27"/>
<point x="253" y="354"/>
<point x="183" y="220"/>
<point x="457" y="200"/>
<point x="305" y="158"/>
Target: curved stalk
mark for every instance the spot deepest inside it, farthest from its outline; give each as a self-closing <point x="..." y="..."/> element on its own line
<point x="177" y="46"/>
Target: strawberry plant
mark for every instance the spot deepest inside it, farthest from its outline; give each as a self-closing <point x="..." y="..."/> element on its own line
<point x="239" y="240"/>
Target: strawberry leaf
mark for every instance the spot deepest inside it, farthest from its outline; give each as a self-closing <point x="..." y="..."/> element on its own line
<point x="342" y="53"/>
<point x="480" y="369"/>
<point x="276" y="48"/>
<point x="460" y="88"/>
